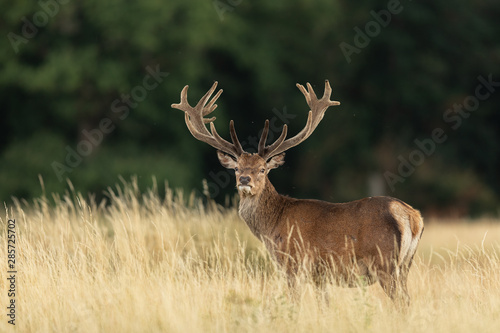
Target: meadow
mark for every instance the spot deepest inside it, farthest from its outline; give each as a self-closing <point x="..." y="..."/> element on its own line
<point x="138" y="262"/>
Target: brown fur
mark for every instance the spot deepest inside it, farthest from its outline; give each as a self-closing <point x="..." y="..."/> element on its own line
<point x="364" y="236"/>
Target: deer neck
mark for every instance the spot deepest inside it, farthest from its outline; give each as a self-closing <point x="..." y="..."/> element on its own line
<point x="262" y="212"/>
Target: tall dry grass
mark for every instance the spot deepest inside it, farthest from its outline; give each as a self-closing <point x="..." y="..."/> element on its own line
<point x="141" y="263"/>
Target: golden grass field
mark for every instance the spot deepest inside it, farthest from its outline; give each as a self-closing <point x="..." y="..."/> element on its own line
<point x="141" y="263"/>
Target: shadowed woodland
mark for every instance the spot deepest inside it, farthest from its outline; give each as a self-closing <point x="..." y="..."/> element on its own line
<point x="86" y="89"/>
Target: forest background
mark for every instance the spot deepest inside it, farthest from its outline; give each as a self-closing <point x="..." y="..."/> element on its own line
<point x="86" y="89"/>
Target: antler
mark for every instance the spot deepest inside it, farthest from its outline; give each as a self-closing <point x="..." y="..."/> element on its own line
<point x="318" y="108"/>
<point x="195" y="122"/>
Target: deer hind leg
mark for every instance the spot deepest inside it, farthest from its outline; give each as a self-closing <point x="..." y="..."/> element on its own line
<point x="394" y="285"/>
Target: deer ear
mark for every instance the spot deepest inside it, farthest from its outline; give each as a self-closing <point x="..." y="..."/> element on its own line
<point x="226" y="160"/>
<point x="275" y="161"/>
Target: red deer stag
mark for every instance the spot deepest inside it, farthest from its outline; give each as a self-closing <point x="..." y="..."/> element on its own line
<point x="373" y="239"/>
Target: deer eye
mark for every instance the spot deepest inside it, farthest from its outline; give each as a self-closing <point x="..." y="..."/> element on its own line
<point x="236" y="169"/>
<point x="262" y="170"/>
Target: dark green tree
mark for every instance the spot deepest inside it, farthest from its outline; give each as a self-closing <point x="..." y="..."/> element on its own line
<point x="87" y="86"/>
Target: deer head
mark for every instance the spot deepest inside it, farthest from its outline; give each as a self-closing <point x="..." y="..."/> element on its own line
<point x="251" y="169"/>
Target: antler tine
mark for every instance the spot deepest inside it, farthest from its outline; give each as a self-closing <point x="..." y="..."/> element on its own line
<point x="236" y="146"/>
<point x="311" y="91"/>
<point x="192" y="129"/>
<point x="328" y="93"/>
<point x="229" y="148"/>
<point x="269" y="151"/>
<point x="328" y="89"/>
<point x="318" y="109"/>
<point x="234" y="138"/>
<point x="304" y="92"/>
<point x="184" y="103"/>
<point x="204" y="99"/>
<point x="263" y="138"/>
<point x="195" y="121"/>
<point x="210" y="107"/>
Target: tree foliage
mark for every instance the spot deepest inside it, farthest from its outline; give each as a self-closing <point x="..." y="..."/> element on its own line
<point x="67" y="66"/>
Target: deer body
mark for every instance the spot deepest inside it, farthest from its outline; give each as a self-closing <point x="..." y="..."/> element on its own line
<point x="351" y="235"/>
<point x="374" y="237"/>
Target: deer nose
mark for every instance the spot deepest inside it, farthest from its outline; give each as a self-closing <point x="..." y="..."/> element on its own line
<point x="244" y="180"/>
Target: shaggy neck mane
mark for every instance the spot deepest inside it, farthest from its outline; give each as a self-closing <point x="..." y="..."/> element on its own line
<point x="262" y="212"/>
